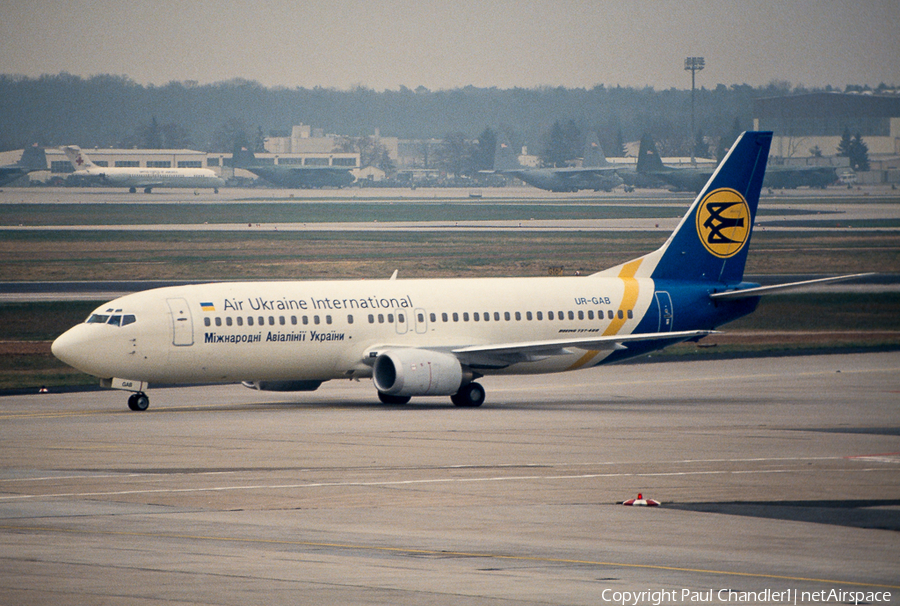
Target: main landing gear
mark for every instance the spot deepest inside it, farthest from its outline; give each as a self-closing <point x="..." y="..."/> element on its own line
<point x="138" y="402"/>
<point x="389" y="399"/>
<point x="470" y="395"/>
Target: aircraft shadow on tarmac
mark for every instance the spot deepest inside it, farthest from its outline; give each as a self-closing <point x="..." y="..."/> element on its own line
<point x="299" y="406"/>
<point x="875" y="431"/>
<point x="608" y="402"/>
<point x="880" y="514"/>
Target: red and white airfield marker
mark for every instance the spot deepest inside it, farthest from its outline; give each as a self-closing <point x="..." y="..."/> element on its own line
<point x="640" y="501"/>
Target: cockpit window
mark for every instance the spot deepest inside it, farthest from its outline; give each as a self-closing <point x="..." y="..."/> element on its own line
<point x="116" y="319"/>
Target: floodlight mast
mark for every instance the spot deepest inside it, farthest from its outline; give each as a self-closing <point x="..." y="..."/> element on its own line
<point x="693" y="65"/>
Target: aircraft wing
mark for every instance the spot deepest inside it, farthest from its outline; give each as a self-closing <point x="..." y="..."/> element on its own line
<point x="759" y="291"/>
<point x="562" y="172"/>
<point x="304" y="176"/>
<point x="11" y="173"/>
<point x="297" y="169"/>
<point x="589" y="170"/>
<point x="505" y="354"/>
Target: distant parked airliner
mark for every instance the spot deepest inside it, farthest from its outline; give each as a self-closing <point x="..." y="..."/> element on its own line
<point x="146" y="178"/>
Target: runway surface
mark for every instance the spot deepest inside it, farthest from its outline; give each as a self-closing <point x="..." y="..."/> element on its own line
<point x="776" y="474"/>
<point x="874" y="210"/>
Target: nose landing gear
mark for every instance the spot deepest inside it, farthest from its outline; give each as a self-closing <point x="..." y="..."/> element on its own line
<point x="138" y="402"/>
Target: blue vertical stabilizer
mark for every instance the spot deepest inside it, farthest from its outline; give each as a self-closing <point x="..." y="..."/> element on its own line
<point x="711" y="242"/>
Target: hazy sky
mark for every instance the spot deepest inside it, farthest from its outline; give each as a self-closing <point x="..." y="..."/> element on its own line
<point x="442" y="45"/>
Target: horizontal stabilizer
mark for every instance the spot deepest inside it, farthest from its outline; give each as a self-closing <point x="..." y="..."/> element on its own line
<point x="760" y="291"/>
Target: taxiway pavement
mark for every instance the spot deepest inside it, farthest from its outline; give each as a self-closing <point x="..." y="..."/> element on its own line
<point x="776" y="474"/>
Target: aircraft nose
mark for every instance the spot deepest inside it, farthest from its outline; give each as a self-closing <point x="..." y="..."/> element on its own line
<point x="71" y="348"/>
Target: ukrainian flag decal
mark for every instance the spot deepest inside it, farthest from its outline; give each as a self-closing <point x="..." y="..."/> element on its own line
<point x="207" y="307"/>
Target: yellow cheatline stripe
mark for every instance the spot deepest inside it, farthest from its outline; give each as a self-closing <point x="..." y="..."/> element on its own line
<point x="434" y="552"/>
<point x="629" y="299"/>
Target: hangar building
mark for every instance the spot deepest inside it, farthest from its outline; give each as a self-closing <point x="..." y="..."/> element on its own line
<point x="802" y="122"/>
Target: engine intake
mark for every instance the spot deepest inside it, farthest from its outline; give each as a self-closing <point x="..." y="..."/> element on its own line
<point x="417" y="372"/>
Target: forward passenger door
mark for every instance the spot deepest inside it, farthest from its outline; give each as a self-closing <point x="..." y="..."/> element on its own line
<point x="182" y="324"/>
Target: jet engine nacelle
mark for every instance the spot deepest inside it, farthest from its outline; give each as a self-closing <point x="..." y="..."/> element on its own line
<point x="417" y="372"/>
<point x="283" y="385"/>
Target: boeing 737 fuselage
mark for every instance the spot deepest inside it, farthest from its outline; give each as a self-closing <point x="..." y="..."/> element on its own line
<point x="436" y="337"/>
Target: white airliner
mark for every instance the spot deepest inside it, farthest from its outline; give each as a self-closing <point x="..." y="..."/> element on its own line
<point x="146" y="178"/>
<point x="437" y="337"/>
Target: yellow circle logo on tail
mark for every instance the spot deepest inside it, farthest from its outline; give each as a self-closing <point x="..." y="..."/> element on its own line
<point x="723" y="222"/>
